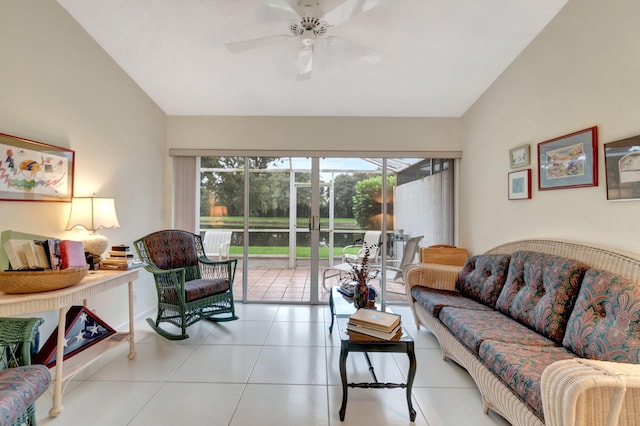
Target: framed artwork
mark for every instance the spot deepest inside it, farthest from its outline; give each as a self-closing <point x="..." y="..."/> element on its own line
<point x="622" y="162"/>
<point x="570" y="161"/>
<point x="34" y="171"/>
<point x="519" y="156"/>
<point x="520" y="185"/>
<point x="83" y="330"/>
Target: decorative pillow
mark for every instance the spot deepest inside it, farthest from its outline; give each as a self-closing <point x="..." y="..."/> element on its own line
<point x="483" y="276"/>
<point x="605" y="323"/>
<point x="172" y="249"/>
<point x="540" y="291"/>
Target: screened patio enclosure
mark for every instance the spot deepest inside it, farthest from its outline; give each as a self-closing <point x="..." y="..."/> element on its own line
<point x="291" y="217"/>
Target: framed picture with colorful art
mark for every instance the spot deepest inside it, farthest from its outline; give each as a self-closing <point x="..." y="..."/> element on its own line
<point x="34" y="171"/>
<point x="520" y="185"/>
<point x="569" y="161"/>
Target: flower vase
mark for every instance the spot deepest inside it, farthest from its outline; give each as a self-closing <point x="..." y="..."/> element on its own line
<point x="361" y="295"/>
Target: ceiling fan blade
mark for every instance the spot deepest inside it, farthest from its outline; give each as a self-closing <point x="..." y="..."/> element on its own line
<point x="305" y="63"/>
<point x="281" y="5"/>
<point x="354" y="49"/>
<point x="256" y="43"/>
<point x="349" y="9"/>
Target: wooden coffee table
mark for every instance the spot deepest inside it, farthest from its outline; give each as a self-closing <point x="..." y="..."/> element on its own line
<point x="341" y="309"/>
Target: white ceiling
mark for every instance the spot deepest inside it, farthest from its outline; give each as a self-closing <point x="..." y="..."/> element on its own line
<point x="439" y="56"/>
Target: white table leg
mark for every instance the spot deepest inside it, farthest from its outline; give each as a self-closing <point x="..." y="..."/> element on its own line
<point x="57" y="391"/>
<point x="132" y="342"/>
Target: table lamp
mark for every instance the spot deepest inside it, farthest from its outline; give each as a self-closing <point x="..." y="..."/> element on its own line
<point x="93" y="213"/>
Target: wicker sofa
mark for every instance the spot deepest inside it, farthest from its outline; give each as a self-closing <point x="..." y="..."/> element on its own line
<point x="549" y="330"/>
<point x="21" y="383"/>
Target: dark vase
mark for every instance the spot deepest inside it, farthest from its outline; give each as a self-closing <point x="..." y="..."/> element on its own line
<point x="361" y="295"/>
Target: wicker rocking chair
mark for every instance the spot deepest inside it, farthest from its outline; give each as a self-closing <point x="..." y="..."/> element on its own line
<point x="190" y="286"/>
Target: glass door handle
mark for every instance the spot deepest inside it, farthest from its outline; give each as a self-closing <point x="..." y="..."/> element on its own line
<point x="314" y="222"/>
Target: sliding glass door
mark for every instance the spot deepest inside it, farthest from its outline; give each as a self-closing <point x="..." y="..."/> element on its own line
<point x="291" y="217"/>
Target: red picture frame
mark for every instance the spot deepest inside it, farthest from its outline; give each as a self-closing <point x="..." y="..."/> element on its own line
<point x="35" y="171"/>
<point x="519" y="186"/>
<point x="569" y="161"/>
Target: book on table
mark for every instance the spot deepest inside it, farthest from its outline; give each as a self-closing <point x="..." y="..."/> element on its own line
<point x="25" y="255"/>
<point x="72" y="254"/>
<point x="376" y="320"/>
<point x="357" y="332"/>
<point x="122" y="254"/>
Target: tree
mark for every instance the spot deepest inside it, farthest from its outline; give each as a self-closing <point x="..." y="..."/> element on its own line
<point x="225" y="185"/>
<point x="367" y="201"/>
<point x="344" y="191"/>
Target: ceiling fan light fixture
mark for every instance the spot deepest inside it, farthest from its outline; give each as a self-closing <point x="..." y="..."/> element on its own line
<point x="312" y="25"/>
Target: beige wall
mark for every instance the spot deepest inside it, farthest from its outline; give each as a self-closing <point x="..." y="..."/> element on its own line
<point x="57" y="86"/>
<point x="315" y="133"/>
<point x="581" y="71"/>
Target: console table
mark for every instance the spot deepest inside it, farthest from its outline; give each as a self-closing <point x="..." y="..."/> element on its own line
<point x="94" y="283"/>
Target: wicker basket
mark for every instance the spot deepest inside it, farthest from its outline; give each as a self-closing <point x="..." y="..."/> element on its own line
<point x="39" y="281"/>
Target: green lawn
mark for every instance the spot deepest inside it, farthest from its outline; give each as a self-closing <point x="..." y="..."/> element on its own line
<point x="236" y="222"/>
<point x="301" y="252"/>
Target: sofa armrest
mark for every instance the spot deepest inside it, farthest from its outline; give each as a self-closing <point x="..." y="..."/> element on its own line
<point x="590" y="392"/>
<point x="432" y="275"/>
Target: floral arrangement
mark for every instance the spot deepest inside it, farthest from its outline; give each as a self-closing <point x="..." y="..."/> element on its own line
<point x="361" y="269"/>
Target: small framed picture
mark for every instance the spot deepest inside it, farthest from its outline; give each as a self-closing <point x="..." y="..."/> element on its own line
<point x="519" y="156"/>
<point x="520" y="185"/>
<point x="570" y="161"/>
<point x="622" y="159"/>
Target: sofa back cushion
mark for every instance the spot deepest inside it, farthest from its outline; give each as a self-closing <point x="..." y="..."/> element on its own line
<point x="540" y="291"/>
<point x="483" y="276"/>
<point x="605" y="322"/>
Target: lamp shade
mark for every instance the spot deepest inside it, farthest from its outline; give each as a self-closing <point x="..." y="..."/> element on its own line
<point x="92" y="213"/>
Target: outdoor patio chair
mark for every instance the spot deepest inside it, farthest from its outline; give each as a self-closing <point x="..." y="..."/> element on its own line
<point x="189" y="285"/>
<point x="217" y="243"/>
<point x="394" y="268"/>
<point x="353" y="254"/>
<point x="371" y="240"/>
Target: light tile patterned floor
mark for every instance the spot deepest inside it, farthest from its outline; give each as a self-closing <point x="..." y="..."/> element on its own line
<point x="277" y="365"/>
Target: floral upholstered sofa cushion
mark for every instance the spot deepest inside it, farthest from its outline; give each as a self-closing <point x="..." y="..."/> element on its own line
<point x="472" y="327"/>
<point x="433" y="300"/>
<point x="520" y="367"/>
<point x="540" y="291"/>
<point x="483" y="276"/>
<point x="20" y="387"/>
<point x="605" y="323"/>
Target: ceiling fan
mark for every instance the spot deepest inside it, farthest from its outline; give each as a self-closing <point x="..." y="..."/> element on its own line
<point x="310" y="26"/>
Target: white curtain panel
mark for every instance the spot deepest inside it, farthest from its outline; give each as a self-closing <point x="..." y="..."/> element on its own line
<point x="186" y="202"/>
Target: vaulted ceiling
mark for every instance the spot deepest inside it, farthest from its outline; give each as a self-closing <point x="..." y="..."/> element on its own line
<point x="434" y="57"/>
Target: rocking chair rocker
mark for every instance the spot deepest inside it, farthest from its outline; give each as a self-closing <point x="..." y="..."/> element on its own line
<point x="190" y="286"/>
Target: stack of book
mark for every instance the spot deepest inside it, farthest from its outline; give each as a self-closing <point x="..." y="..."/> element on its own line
<point x="120" y="257"/>
<point x="50" y="254"/>
<point x="369" y="323"/>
